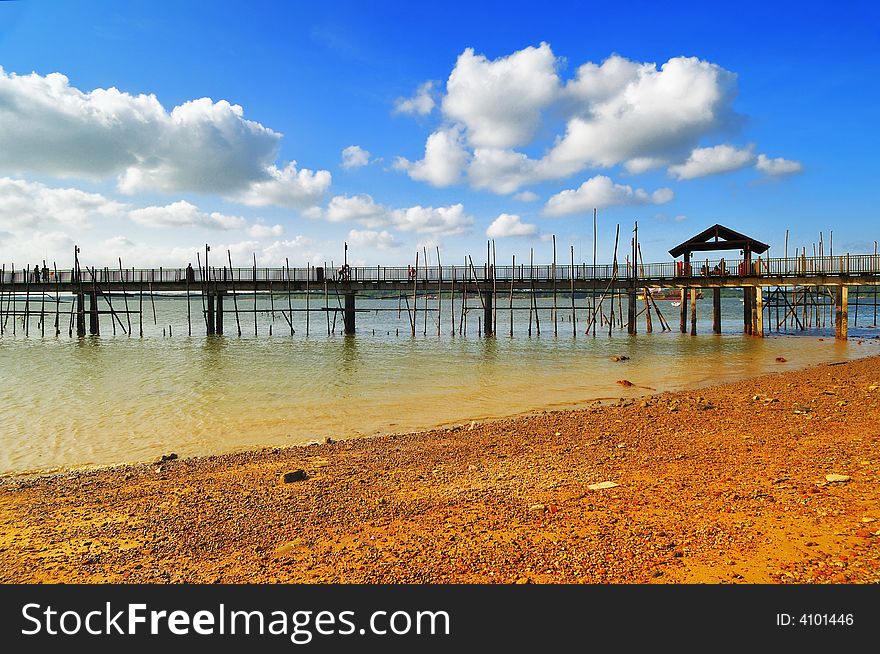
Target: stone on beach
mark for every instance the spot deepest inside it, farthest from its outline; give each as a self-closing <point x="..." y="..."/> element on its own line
<point x="838" y="479"/>
<point x="602" y="485"/>
<point x="294" y="475"/>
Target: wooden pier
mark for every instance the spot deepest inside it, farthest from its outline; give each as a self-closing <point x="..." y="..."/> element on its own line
<point x="800" y="291"/>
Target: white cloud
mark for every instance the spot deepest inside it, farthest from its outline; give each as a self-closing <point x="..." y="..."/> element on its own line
<point x="360" y="209"/>
<point x="439" y="221"/>
<point x="526" y="196"/>
<point x="32" y="205"/>
<point x="49" y="127"/>
<point x="421" y="104"/>
<point x="778" y="166"/>
<point x="501" y="101"/>
<point x="620" y="112"/>
<point x="287" y="187"/>
<point x="680" y="218"/>
<point x="354" y="156"/>
<point x="445" y="157"/>
<point x="263" y="231"/>
<point x="712" y="161"/>
<point x="364" y="210"/>
<point x="599" y="192"/>
<point x="510" y="225"/>
<point x="383" y="240"/>
<point x="184" y="214"/>
<point x="641" y="165"/>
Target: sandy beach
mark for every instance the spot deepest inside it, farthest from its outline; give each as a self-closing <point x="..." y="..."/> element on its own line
<point x="772" y="479"/>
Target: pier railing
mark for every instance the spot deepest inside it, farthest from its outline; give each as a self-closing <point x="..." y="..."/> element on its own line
<point x="840" y="265"/>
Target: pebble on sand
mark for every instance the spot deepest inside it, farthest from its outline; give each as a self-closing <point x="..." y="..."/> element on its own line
<point x="841" y="479"/>
<point x="602" y="485"/>
<point x="294" y="475"/>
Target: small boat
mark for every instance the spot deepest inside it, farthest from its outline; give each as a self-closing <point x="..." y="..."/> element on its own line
<point x="676" y="304"/>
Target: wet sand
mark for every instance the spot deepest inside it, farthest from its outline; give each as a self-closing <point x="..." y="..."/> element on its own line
<point x="724" y="484"/>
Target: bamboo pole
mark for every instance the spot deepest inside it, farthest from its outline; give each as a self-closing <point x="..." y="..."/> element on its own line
<point x="415" y="291"/>
<point x="27" y="301"/>
<point x="43" y="305"/>
<point x="555" y="323"/>
<point x="571" y="288"/>
<point x="255" y="295"/>
<point x="57" y="300"/>
<point x="2" y="313"/>
<point x="510" y="301"/>
<point x="289" y="301"/>
<point x="439" y="291"/>
<point x="595" y="213"/>
<point x="452" y="301"/>
<point x="425" y="251"/>
<point x="308" y="278"/>
<point x="494" y="293"/>
<point x="234" y="292"/>
<point x="125" y="297"/>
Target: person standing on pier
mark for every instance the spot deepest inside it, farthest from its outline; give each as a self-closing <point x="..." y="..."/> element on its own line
<point x="37" y="273"/>
<point x="190" y="273"/>
<point x="45" y="273"/>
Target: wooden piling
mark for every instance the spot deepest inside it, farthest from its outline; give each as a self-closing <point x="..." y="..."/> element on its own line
<point x="758" y="329"/>
<point x="553" y="270"/>
<point x="694" y="311"/>
<point x="716" y="310"/>
<point x="841" y="313"/>
<point x="415" y="292"/>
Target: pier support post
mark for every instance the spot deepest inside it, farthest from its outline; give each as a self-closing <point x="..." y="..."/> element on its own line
<point x="631" y="326"/>
<point x="94" y="323"/>
<point x="758" y="327"/>
<point x="210" y="321"/>
<point x="80" y="314"/>
<point x="219" y="315"/>
<point x="488" y="324"/>
<point x="348" y="316"/>
<point x="716" y="310"/>
<point x="841" y="313"/>
<point x="683" y="311"/>
<point x="747" y="310"/>
<point x="693" y="312"/>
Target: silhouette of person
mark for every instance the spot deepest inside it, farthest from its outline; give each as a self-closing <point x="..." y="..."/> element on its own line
<point x="190" y="273"/>
<point x="36" y="273"/>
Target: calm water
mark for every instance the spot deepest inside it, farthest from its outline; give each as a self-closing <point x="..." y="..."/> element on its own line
<point x="112" y="399"/>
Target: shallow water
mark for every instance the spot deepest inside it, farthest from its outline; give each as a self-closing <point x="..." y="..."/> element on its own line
<point x="69" y="402"/>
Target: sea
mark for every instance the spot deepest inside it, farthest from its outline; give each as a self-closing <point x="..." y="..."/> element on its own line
<point x="69" y="403"/>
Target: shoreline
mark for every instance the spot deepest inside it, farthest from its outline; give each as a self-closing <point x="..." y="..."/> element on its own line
<point x="718" y="484"/>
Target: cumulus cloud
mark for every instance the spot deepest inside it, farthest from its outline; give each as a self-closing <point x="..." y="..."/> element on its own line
<point x="501" y="101"/>
<point x="184" y="214"/>
<point x="526" y="196"/>
<point x="712" y="161"/>
<point x="287" y="187"/>
<point x="600" y="192"/>
<point x="264" y="231"/>
<point x="777" y="166"/>
<point x="439" y="221"/>
<point x="364" y="210"/>
<point x="421" y="103"/>
<point x="354" y="156"/>
<point x="361" y="209"/>
<point x="445" y="157"/>
<point x="32" y="205"/>
<point x="510" y="225"/>
<point x="366" y="238"/>
<point x="640" y="115"/>
<point x="49" y="127"/>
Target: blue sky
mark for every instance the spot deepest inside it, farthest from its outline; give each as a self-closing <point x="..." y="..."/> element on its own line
<point x="760" y="116"/>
